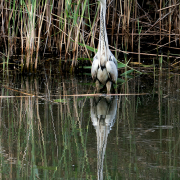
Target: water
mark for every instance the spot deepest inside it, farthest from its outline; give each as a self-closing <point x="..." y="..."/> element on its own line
<point x="47" y="135"/>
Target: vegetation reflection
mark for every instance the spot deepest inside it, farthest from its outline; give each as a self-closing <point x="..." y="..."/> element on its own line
<point x="47" y="134"/>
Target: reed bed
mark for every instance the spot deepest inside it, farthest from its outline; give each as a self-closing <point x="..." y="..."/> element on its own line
<point x="34" y="29"/>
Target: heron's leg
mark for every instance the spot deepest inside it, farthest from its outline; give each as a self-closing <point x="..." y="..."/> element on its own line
<point x="108" y="86"/>
<point x="97" y="86"/>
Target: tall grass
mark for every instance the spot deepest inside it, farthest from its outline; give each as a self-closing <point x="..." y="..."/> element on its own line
<point x="30" y="28"/>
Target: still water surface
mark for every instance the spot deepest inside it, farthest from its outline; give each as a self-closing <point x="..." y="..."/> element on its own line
<point x="48" y="135"/>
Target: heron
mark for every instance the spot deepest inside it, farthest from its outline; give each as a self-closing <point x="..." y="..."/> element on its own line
<point x="104" y="67"/>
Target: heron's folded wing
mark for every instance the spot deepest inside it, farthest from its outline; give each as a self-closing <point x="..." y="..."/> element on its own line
<point x="112" y="71"/>
<point x="112" y="58"/>
<point x="94" y="67"/>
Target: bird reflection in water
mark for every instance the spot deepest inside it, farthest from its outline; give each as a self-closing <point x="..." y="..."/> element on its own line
<point x="103" y="116"/>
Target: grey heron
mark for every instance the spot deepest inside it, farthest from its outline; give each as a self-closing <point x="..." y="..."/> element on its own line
<point x="104" y="67"/>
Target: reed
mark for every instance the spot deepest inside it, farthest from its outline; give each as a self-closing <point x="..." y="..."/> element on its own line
<point x="66" y="29"/>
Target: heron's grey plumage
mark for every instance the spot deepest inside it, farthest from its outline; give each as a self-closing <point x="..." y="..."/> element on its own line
<point x="104" y="66"/>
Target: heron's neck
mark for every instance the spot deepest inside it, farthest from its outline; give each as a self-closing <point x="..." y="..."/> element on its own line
<point x="103" y="40"/>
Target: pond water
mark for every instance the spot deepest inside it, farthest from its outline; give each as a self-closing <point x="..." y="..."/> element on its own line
<point x="52" y="129"/>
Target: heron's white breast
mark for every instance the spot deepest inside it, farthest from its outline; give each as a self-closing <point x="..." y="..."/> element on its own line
<point x="102" y="75"/>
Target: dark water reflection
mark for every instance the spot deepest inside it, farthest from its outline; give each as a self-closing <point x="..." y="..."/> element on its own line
<point x="103" y="114"/>
<point x="46" y="135"/>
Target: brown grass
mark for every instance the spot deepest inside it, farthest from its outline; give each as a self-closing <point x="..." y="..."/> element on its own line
<point x="59" y="28"/>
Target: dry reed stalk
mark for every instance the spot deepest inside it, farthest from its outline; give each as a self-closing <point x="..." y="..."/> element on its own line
<point x="157" y="45"/>
<point x="3" y="28"/>
<point x="147" y="54"/>
<point x="169" y="6"/>
<point x="113" y="20"/>
<point x="133" y="25"/>
<point x="10" y="32"/>
<point x="57" y="24"/>
<point x="76" y="33"/>
<point x="121" y="13"/>
<point x="129" y="5"/>
<point x="93" y="34"/>
<point x="124" y="21"/>
<point x="65" y="28"/>
<point x="78" y="29"/>
<point x="169" y="22"/>
<point x="179" y="23"/>
<point x="47" y="45"/>
<point x="30" y="34"/>
<point x="75" y="48"/>
<point x="48" y="29"/>
<point x="39" y="35"/>
<point x="94" y="29"/>
<point x="104" y="95"/>
<point x="83" y="30"/>
<point x="60" y="14"/>
<point x="175" y="24"/>
<point x="135" y="15"/>
<point x="117" y="35"/>
<point x="68" y="41"/>
<point x="160" y="6"/>
<point x="22" y="45"/>
<point x="139" y="50"/>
